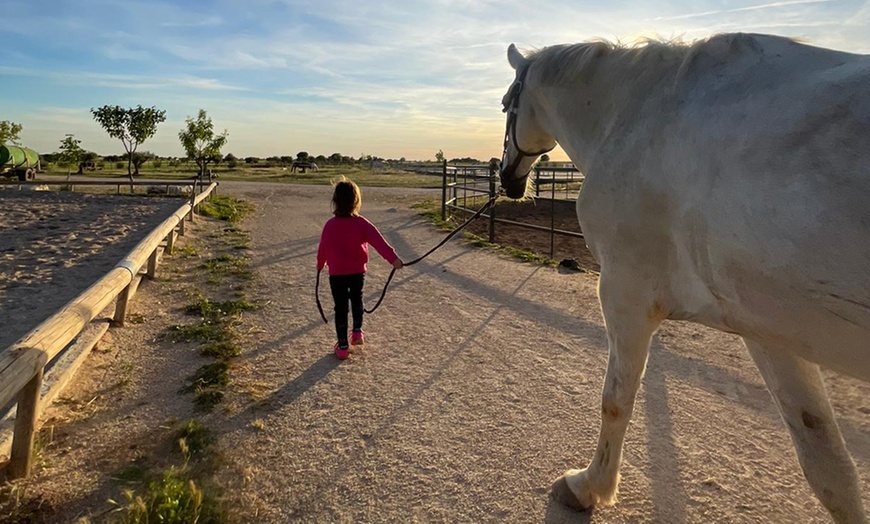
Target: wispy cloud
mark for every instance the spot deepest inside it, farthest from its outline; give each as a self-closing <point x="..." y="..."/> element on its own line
<point x="717" y="12"/>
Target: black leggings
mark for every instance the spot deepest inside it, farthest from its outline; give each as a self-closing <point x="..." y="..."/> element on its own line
<point x="344" y="288"/>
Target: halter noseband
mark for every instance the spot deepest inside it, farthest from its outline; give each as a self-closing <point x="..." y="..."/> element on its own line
<point x="510" y="134"/>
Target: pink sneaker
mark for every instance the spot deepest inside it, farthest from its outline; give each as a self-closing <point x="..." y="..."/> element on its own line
<point x="340" y="353"/>
<point x="357" y="338"/>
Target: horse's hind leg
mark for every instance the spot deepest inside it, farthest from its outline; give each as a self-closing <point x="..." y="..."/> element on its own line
<point x="630" y="322"/>
<point x="797" y="388"/>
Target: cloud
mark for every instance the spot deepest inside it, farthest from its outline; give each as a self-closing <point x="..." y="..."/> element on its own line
<point x="741" y="9"/>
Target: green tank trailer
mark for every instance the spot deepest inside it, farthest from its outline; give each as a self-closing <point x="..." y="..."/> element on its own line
<point x="19" y="162"/>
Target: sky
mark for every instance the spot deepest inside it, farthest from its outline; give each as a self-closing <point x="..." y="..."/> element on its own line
<point x="390" y="79"/>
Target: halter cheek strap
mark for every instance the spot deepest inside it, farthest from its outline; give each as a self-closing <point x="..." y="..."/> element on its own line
<point x="511" y="108"/>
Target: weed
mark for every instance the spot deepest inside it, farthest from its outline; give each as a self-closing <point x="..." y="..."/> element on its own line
<point x="197" y="438"/>
<point x="16" y="505"/>
<point x="198" y="333"/>
<point x="226" y="208"/>
<point x="136" y="319"/>
<point x="220" y="349"/>
<point x="209" y="375"/>
<point x="187" y="251"/>
<point x="258" y="424"/>
<point x="174" y="498"/>
<point x="132" y="474"/>
<point x="215" y="311"/>
<point x="206" y="399"/>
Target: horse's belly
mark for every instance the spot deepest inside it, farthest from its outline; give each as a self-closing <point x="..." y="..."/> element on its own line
<point x="825" y="328"/>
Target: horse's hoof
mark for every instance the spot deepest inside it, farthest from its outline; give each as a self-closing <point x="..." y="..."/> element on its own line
<point x="563" y="494"/>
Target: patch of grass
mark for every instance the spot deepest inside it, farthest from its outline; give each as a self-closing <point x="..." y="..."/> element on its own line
<point x="17" y="505"/>
<point x="186" y="251"/>
<point x="132" y="474"/>
<point x="210" y="375"/>
<point x="215" y="311"/>
<point x="220" y="349"/>
<point x="202" y="332"/>
<point x="431" y="210"/>
<point x="206" y="399"/>
<point x="225" y="265"/>
<point x="173" y="498"/>
<point x="197" y="438"/>
<point x="227" y="208"/>
<point x="207" y="382"/>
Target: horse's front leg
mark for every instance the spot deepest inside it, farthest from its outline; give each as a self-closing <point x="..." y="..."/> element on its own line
<point x="630" y="318"/>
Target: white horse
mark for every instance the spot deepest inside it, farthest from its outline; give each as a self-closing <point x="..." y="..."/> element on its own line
<point x="727" y="183"/>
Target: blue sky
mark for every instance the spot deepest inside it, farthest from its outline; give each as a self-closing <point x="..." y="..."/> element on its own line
<point x="385" y="78"/>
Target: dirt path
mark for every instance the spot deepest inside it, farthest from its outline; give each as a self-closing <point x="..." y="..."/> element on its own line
<point x="480" y="384"/>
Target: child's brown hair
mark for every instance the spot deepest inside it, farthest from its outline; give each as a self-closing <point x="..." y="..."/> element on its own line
<point x="346" y="198"/>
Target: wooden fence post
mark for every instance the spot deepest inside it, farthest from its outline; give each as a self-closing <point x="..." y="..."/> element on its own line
<point x="170" y="242"/>
<point x="21" y="459"/>
<point x="121" y="306"/>
<point x="152" y="264"/>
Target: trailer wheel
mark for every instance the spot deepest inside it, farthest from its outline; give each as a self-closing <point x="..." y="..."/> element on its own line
<point x="30" y="174"/>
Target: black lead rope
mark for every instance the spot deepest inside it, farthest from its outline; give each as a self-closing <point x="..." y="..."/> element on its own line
<point x="411" y="263"/>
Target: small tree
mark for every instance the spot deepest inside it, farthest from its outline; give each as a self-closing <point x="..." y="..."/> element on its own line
<point x="545" y="158"/>
<point x="302" y="156"/>
<point x="9" y="132"/>
<point x="139" y="160"/>
<point x="71" y="153"/>
<point x="200" y="143"/>
<point x="131" y="126"/>
<point x="439" y="156"/>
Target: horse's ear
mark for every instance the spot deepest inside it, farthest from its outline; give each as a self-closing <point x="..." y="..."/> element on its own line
<point x="515" y="58"/>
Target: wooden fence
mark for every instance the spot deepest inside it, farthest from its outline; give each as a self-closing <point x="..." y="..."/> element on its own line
<point x="22" y="365"/>
<point x="467" y="188"/>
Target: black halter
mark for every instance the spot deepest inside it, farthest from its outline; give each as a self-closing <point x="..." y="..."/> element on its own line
<point x="510" y="134"/>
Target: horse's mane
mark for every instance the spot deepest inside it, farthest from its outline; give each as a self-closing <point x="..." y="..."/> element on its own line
<point x="565" y="63"/>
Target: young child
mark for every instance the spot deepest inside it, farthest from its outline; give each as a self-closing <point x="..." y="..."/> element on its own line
<point x="344" y="248"/>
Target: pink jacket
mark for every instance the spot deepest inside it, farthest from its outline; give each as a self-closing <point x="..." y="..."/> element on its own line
<point x="344" y="245"/>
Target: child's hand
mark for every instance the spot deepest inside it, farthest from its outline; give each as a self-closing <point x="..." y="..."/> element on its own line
<point x="398" y="264"/>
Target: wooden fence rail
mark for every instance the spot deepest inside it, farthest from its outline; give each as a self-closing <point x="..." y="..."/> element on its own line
<point x="22" y="364"/>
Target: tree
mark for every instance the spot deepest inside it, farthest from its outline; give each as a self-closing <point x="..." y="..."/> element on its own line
<point x="439" y="156"/>
<point x="139" y="159"/>
<point x="9" y="132"/>
<point x="131" y="126"/>
<point x="545" y="158"/>
<point x="71" y="153"/>
<point x="200" y="142"/>
<point x="302" y="156"/>
<point x="88" y="161"/>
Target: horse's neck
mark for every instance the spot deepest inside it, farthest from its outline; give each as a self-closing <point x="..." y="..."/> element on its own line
<point x="594" y="109"/>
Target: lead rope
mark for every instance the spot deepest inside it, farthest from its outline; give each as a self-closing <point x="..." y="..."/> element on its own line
<point x="479" y="212"/>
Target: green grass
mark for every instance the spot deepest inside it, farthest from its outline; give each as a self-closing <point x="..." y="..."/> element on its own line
<point x="233" y="210"/>
<point x="214" y="311"/>
<point x="227" y="265"/>
<point x="197" y="438"/>
<point x="324" y="176"/>
<point x="174" y="498"/>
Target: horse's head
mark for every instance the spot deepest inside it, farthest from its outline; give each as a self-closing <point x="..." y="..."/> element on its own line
<point x="525" y="140"/>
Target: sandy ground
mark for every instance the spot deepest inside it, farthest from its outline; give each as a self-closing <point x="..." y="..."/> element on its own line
<point x="54" y="245"/>
<point x="479" y="385"/>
